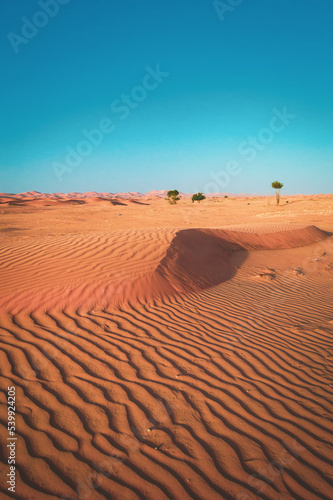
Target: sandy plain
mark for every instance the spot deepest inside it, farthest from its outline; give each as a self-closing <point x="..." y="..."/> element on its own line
<point x="167" y="352"/>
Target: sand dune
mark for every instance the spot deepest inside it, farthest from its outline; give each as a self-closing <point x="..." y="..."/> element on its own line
<point x="200" y="258"/>
<point x="58" y="200"/>
<point x="157" y="195"/>
<point x="164" y="363"/>
<point x="107" y="270"/>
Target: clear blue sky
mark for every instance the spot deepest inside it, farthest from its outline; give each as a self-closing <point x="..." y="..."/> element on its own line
<point x="227" y="72"/>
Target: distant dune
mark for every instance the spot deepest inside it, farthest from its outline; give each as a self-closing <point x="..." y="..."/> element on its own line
<point x="35" y="195"/>
<point x="93" y="194"/>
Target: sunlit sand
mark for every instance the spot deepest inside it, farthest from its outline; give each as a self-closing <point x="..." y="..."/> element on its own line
<point x="166" y="351"/>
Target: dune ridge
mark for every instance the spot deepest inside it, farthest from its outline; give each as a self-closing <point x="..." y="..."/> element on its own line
<point x="201" y="258"/>
<point x="103" y="270"/>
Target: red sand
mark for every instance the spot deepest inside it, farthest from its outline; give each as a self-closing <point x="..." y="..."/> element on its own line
<point x="165" y="353"/>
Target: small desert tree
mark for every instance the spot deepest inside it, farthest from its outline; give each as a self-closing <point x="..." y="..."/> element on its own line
<point x="277" y="186"/>
<point x="173" y="196"/>
<point x="198" y="197"/>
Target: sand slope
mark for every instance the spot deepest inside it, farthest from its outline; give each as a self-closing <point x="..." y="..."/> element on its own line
<point x="158" y="364"/>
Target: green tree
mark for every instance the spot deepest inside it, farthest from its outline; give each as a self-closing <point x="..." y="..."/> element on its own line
<point x="277" y="186"/>
<point x="198" y="197"/>
<point x="173" y="196"/>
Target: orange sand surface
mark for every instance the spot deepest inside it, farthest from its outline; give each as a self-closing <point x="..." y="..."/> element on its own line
<point x="167" y="352"/>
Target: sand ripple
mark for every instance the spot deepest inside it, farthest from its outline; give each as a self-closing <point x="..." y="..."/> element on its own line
<point x="221" y="391"/>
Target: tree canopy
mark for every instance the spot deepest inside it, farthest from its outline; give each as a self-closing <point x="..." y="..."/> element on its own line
<point x="173" y="196"/>
<point x="198" y="197"/>
<point x="277" y="185"/>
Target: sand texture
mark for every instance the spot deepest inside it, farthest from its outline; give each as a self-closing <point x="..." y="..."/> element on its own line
<point x="167" y="352"/>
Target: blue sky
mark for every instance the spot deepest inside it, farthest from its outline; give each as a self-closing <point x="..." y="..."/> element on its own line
<point x="226" y="73"/>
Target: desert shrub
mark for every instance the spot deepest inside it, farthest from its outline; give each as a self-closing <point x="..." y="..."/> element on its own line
<point x="173" y="196"/>
<point x="198" y="197"/>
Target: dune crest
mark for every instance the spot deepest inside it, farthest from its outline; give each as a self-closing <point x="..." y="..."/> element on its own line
<point x="201" y="258"/>
<point x="101" y="272"/>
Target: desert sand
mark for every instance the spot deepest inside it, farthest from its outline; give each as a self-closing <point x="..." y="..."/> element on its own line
<point x="167" y="352"/>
